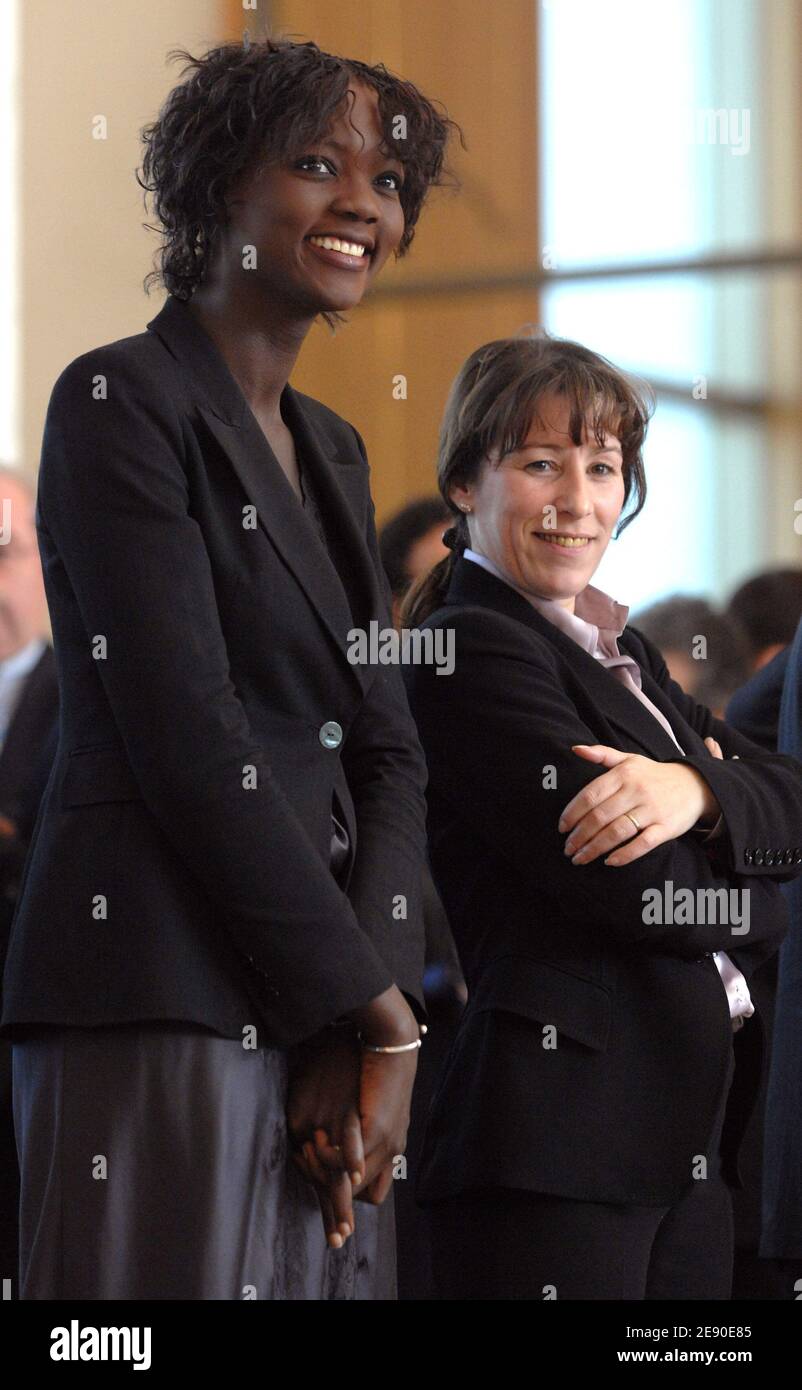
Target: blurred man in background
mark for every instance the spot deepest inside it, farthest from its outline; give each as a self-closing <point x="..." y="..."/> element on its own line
<point x="411" y="543"/>
<point x="738" y="672"/>
<point x="781" y="1240"/>
<point x="768" y="607"/>
<point x="28" y="725"/>
<point x="706" y="652"/>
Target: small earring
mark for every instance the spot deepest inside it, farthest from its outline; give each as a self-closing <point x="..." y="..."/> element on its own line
<point x="464" y="507"/>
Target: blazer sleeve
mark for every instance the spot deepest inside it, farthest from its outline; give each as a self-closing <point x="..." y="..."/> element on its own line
<point x="113" y="495"/>
<point x="386" y="771"/>
<point x="498" y="733"/>
<point x="759" y="792"/>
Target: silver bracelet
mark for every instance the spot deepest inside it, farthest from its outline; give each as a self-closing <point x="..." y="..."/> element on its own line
<point x="398" y="1047"/>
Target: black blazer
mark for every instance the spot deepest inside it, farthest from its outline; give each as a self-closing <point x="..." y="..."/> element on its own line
<point x="755" y="708"/>
<point x="25" y="762"/>
<point x="616" y="1112"/>
<point x="209" y="714"/>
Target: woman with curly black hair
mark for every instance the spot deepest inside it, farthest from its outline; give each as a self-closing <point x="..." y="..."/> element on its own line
<point x="215" y="963"/>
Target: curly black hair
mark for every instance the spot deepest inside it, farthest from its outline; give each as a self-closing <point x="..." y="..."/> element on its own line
<point x="243" y="106"/>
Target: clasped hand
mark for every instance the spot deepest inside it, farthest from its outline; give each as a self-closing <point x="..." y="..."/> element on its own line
<point x="662" y="799"/>
<point x="348" y="1109"/>
<point x="347" y="1117"/>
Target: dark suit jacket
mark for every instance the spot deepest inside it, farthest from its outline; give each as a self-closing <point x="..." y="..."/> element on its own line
<point x="782" y="1156"/>
<point x="616" y="1112"/>
<point x="180" y="867"/>
<point x="755" y="708"/>
<point x="25" y="762"/>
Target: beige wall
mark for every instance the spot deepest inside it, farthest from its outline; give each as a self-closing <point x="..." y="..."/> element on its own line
<point x="83" y="250"/>
<point x="479" y="60"/>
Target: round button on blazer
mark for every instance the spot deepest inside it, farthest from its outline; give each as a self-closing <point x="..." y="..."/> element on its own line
<point x="210" y="718"/>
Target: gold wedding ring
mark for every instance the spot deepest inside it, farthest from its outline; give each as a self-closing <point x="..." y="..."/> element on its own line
<point x="632" y="818"/>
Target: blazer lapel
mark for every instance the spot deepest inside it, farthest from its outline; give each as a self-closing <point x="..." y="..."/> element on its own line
<point x="229" y="419"/>
<point x="692" y="743"/>
<point x="470" y="583"/>
<point x="340" y="485"/>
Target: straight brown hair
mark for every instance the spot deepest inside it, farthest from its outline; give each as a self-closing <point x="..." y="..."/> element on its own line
<point x="490" y="409"/>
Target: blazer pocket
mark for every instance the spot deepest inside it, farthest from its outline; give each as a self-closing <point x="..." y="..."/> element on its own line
<point x="98" y="774"/>
<point x="546" y="994"/>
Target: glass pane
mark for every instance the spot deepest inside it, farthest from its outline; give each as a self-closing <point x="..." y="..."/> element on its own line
<point x="652" y="142"/>
<point x="658" y="326"/>
<point x="707" y="523"/>
<point x="692" y="536"/>
<point x="679" y="328"/>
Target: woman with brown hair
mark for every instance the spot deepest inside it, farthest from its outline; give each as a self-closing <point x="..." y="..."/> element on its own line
<point x="608" y="854"/>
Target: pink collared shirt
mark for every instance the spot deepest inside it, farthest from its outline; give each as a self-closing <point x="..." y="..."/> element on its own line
<point x="595" y="625"/>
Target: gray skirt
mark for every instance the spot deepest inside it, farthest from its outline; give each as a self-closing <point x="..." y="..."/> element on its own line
<point x="154" y="1165"/>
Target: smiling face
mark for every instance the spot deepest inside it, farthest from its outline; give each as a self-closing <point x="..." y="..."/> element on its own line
<point x="544" y="514"/>
<point x="323" y="221"/>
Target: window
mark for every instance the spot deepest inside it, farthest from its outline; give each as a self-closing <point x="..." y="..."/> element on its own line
<point x="672" y="244"/>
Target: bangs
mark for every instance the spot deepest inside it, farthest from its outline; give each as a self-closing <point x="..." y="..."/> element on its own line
<point x="499" y="393"/>
<point x="311" y="121"/>
<point x="596" y="401"/>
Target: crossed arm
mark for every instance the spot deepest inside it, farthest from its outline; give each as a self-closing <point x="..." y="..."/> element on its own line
<point x="503" y="718"/>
